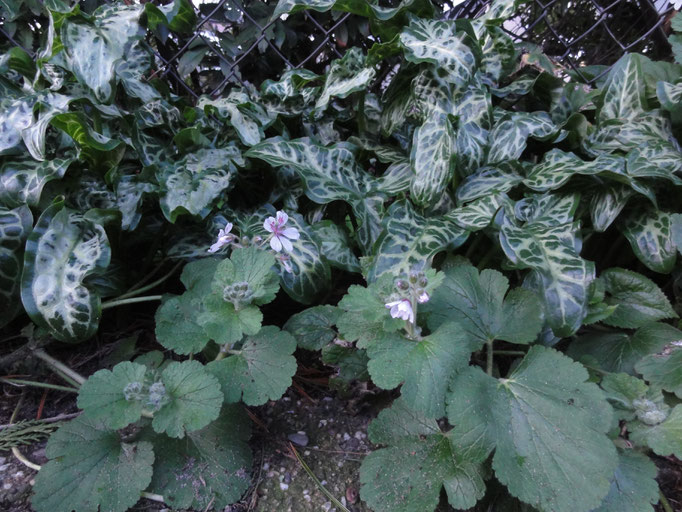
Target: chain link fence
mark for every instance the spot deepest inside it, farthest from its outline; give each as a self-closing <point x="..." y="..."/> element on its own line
<point x="239" y="41"/>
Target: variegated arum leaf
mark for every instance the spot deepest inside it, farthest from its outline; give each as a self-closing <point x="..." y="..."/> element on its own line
<point x="178" y="16"/>
<point x="346" y="75"/>
<point x="214" y="462"/>
<point x="438" y="42"/>
<point x="432" y="460"/>
<point x="313" y="328"/>
<point x="190" y="399"/>
<point x="547" y="245"/>
<point x="424" y="367"/>
<point x="193" y="183"/>
<point x="90" y="469"/>
<point x="64" y="249"/>
<point x="335" y="245"/>
<point x="15" y="226"/>
<point x="606" y="205"/>
<point x="620" y="351"/>
<point x="92" y="48"/>
<point x="638" y="299"/>
<point x="479" y="213"/>
<point x="330" y="174"/>
<point x="248" y="118"/>
<point x="540" y="433"/>
<point x="411" y="240"/>
<point x="478" y="303"/>
<point x="489" y="180"/>
<point x="650" y="235"/>
<point x="432" y="160"/>
<point x="474" y="109"/>
<point x="623" y="97"/>
<point x="260" y="370"/>
<point x="509" y="137"/>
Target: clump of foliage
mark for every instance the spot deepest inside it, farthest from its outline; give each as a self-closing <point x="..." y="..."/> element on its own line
<point x="515" y="233"/>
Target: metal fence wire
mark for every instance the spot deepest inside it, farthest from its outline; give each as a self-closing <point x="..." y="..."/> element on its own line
<point x="238" y="41"/>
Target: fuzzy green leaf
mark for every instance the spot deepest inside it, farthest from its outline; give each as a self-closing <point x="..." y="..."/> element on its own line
<point x="663" y="370"/>
<point x="90" y="469"/>
<point x="176" y="324"/>
<point x="619" y="352"/>
<point x="638" y="298"/>
<point x="103" y="395"/>
<point x="260" y="371"/>
<point x="634" y="487"/>
<point x="543" y="434"/>
<point x="193" y="399"/>
<point x="430" y="459"/>
<point x="663" y="438"/>
<point x="478" y="303"/>
<point x="210" y="468"/>
<point x="313" y="327"/>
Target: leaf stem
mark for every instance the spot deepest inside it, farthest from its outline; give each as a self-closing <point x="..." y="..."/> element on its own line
<point x="61" y="368"/>
<point x="21" y="382"/>
<point x="319" y="485"/>
<point x="132" y="300"/>
<point x="489" y="357"/>
<point x="147" y="414"/>
<point x="137" y="291"/>
<point x="20" y="457"/>
<point x="664" y="502"/>
<point x="153" y="497"/>
<point x="510" y="352"/>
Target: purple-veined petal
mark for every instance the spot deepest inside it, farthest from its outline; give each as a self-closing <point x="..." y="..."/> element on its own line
<point x="275" y="243"/>
<point x="288" y="247"/>
<point x="291" y="233"/>
<point x="282" y="218"/>
<point x="269" y="224"/>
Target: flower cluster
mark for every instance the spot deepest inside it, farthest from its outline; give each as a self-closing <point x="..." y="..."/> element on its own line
<point x="280" y="236"/>
<point x="412" y="292"/>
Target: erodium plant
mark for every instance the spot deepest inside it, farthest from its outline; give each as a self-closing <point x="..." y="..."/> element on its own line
<point x="515" y="233"/>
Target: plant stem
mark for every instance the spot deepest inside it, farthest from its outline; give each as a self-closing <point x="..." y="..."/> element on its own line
<point x="510" y="352"/>
<point x="153" y="497"/>
<point x="137" y="291"/>
<point x="60" y="367"/>
<point x="38" y="384"/>
<point x="133" y="300"/>
<point x="20" y="457"/>
<point x="147" y="414"/>
<point x="489" y="357"/>
<point x="596" y="370"/>
<point x="664" y="502"/>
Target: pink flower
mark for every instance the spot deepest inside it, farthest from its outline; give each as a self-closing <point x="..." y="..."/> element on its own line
<point x="224" y="238"/>
<point x="424" y="297"/>
<point x="401" y="309"/>
<point x="281" y="236"/>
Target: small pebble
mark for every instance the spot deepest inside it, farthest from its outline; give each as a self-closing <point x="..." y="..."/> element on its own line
<point x="287" y="478"/>
<point x="283" y="486"/>
<point x="7" y="486"/>
<point x="3" y="460"/>
<point x="3" y="467"/>
<point x="346" y="437"/>
<point x="322" y="423"/>
<point x="307" y="497"/>
<point x="266" y="466"/>
<point x="300" y="438"/>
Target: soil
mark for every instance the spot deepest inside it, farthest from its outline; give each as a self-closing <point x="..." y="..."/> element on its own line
<point x="326" y="429"/>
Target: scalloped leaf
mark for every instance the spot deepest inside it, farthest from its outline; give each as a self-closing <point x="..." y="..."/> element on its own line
<point x="193" y="399"/>
<point x="15" y="226"/>
<point x="551" y="448"/>
<point x="634" y="487"/>
<point x="313" y="327"/>
<point x="90" y="469"/>
<point x="663" y="370"/>
<point x="618" y="351"/>
<point x="260" y="371"/>
<point x="430" y="460"/>
<point x="63" y="250"/>
<point x="177" y="326"/>
<point x="411" y="241"/>
<point x="478" y="303"/>
<point x="214" y="463"/>
<point x="638" y="299"/>
<point x="103" y="396"/>
<point x="664" y="438"/>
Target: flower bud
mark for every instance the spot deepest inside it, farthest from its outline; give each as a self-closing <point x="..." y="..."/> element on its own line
<point x="401" y="285"/>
